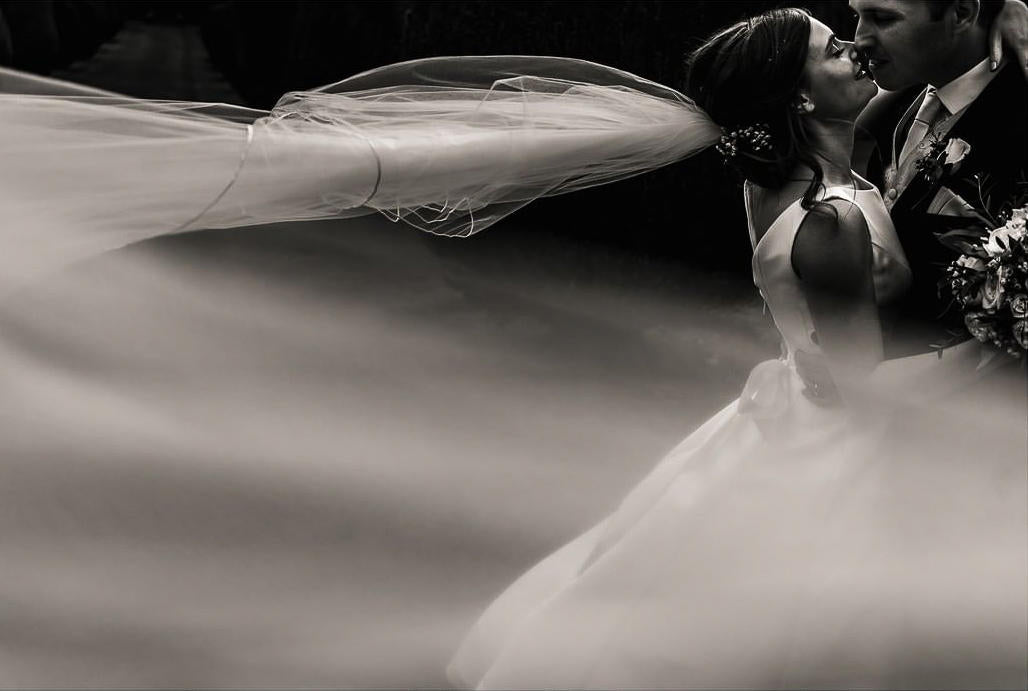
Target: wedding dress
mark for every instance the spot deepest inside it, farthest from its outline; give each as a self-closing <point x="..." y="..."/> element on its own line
<point x="790" y="544"/>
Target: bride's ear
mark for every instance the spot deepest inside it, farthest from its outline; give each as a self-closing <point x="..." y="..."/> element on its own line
<point x="803" y="105"/>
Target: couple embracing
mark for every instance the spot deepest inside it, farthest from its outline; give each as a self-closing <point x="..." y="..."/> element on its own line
<point x="857" y="517"/>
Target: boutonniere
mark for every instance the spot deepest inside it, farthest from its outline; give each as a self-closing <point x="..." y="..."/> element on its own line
<point x="943" y="157"/>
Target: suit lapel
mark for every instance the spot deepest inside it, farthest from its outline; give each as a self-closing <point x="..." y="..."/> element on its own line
<point x="876" y="130"/>
<point x="986" y="124"/>
<point x="898" y="179"/>
<point x="903" y="128"/>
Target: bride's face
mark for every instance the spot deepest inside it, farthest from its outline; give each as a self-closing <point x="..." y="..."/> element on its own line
<point x="833" y="89"/>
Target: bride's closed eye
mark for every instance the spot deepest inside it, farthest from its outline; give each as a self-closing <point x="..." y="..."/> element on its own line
<point x="834" y="47"/>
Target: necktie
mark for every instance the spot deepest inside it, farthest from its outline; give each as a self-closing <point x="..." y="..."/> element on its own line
<point x="930" y="113"/>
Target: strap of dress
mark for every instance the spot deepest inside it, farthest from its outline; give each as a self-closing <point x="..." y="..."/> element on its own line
<point x="749" y="216"/>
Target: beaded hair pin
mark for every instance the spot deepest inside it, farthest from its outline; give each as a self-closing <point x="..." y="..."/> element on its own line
<point x="749" y="139"/>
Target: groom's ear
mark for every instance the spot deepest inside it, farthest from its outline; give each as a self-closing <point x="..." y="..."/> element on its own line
<point x="803" y="105"/>
<point x="965" y="14"/>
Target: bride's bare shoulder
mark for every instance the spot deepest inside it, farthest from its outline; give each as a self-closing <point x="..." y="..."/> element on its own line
<point x="766" y="205"/>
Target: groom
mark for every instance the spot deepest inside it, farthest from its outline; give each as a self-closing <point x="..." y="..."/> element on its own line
<point x="944" y="44"/>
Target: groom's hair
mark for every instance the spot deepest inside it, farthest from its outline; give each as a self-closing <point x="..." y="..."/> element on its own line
<point x="987" y="10"/>
<point x="749" y="74"/>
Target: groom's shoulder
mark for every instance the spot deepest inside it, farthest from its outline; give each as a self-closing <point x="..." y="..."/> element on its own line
<point x="1005" y="98"/>
<point x="1010" y="81"/>
<point x="995" y="121"/>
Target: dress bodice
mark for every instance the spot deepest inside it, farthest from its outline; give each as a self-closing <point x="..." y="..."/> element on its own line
<point x="779" y="285"/>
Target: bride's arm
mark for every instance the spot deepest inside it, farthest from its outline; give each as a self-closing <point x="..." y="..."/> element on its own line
<point x="1010" y="28"/>
<point x="832" y="257"/>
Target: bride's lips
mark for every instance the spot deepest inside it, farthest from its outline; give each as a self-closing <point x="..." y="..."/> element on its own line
<point x="861" y="68"/>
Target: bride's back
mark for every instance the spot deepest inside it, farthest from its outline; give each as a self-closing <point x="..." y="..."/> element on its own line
<point x="764" y="206"/>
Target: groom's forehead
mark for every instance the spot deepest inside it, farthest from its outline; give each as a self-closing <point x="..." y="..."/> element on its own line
<point x="902" y="7"/>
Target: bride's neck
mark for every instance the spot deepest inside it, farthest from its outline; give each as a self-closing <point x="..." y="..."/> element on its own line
<point x="833" y="147"/>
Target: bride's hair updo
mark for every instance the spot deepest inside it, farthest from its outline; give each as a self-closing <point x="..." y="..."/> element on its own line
<point x="748" y="75"/>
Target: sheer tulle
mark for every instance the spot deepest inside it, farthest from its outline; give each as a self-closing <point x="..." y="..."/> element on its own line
<point x="449" y="145"/>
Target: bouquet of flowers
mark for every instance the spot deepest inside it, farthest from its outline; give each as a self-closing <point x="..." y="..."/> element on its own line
<point x="989" y="280"/>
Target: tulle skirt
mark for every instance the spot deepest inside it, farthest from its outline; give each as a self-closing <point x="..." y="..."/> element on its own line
<point x="788" y="544"/>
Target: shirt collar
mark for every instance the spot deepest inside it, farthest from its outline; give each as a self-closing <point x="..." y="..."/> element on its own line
<point x="960" y="92"/>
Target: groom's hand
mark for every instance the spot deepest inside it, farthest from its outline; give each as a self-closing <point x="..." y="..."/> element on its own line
<point x="1011" y="29"/>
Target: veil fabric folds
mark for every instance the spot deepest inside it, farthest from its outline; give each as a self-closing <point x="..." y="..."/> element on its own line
<point x="448" y="145"/>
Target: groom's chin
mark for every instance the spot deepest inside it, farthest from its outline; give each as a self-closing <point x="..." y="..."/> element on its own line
<point x="870" y="93"/>
<point x="886" y="78"/>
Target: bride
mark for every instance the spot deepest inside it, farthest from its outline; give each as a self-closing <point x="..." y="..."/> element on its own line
<point x="797" y="538"/>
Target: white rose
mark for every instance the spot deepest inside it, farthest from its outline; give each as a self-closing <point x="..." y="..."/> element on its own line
<point x="1016" y="226"/>
<point x="1000" y="239"/>
<point x="956" y="151"/>
<point x="1018" y="218"/>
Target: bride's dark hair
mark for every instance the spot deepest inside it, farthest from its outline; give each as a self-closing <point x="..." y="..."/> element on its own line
<point x="750" y="74"/>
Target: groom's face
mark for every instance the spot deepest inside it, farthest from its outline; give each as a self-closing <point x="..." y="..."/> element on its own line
<point x="903" y="41"/>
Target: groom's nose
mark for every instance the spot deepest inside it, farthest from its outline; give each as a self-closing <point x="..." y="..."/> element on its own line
<point x="863" y="38"/>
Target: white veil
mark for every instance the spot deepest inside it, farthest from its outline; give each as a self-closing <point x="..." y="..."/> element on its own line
<point x="449" y="145"/>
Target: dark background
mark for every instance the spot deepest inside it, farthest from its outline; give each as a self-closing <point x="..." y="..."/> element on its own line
<point x="688" y="212"/>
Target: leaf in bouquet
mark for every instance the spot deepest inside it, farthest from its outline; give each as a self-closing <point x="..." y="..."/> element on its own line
<point x="963" y="240"/>
<point x="967" y="233"/>
<point x="963" y="247"/>
<point x="985" y="199"/>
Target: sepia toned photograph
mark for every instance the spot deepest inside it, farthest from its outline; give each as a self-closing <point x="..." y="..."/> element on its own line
<point x="513" y="344"/>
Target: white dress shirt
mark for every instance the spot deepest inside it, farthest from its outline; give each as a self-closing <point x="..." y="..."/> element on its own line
<point x="959" y="93"/>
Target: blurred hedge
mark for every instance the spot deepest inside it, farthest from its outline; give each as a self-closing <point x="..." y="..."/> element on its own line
<point x="43" y="35"/>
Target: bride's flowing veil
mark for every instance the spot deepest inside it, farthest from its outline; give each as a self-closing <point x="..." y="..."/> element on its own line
<point x="449" y="145"/>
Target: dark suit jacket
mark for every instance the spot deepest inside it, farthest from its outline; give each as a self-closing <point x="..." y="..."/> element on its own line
<point x="995" y="127"/>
